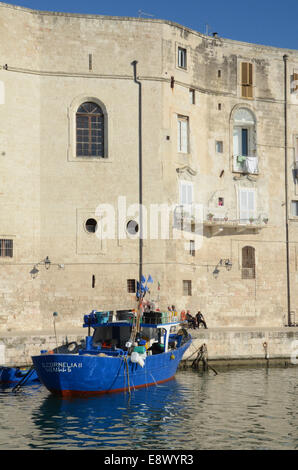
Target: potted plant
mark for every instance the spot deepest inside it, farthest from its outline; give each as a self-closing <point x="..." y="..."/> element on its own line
<point x="251" y="219"/>
<point x="210" y="216"/>
<point x="265" y="220"/>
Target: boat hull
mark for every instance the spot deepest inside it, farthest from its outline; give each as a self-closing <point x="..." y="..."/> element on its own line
<point x="13" y="375"/>
<point x="87" y="375"/>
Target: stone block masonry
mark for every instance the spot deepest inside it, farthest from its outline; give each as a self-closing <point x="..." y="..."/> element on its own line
<point x="222" y="344"/>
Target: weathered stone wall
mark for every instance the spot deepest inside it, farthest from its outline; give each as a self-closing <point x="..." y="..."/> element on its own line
<point x="47" y="193"/>
<point x="225" y="344"/>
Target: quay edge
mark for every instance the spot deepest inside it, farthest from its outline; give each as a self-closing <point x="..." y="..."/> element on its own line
<point x="226" y="346"/>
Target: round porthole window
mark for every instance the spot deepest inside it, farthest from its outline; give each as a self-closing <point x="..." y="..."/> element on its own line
<point x="91" y="225"/>
<point x="132" y="227"/>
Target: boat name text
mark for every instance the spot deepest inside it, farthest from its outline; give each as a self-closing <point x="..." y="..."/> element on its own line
<point x="61" y="366"/>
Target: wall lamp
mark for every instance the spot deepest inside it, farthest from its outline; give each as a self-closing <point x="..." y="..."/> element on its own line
<point x="225" y="263"/>
<point x="34" y="271"/>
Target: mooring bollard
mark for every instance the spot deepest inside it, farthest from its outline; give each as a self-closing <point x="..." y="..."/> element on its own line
<point x="265" y="346"/>
<point x="202" y="356"/>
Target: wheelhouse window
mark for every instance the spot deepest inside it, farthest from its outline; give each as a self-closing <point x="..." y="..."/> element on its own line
<point x="6" y="248"/>
<point x="90" y="130"/>
<point x="244" y="142"/>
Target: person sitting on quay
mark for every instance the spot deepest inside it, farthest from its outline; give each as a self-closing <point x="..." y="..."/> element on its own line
<point x="200" y="319"/>
<point x="191" y="320"/>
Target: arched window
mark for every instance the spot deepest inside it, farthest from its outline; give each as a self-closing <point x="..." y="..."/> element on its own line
<point x="90" y="130"/>
<point x="244" y="141"/>
<point x="248" y="262"/>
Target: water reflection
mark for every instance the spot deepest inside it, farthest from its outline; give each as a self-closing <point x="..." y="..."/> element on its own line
<point x="237" y="409"/>
<point x="118" y="419"/>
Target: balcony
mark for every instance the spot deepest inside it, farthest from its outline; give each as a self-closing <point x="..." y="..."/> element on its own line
<point x="187" y="215"/>
<point x="217" y="224"/>
<point x="246" y="164"/>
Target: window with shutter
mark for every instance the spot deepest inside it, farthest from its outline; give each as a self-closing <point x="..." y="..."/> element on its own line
<point x="295" y="82"/>
<point x="247" y="205"/>
<point x="246" y="80"/>
<point x="248" y="262"/>
<point x="294" y="208"/>
<point x="183" y="134"/>
<point x="185" y="193"/>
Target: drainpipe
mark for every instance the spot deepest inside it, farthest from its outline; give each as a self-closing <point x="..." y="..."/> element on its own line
<point x="134" y="64"/>
<point x="285" y="58"/>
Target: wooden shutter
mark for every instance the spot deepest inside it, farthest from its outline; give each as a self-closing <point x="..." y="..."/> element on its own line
<point x="248" y="262"/>
<point x="295" y="79"/>
<point x="182" y="134"/>
<point x="246" y="80"/>
<point x="186" y="192"/>
<point x="246" y="205"/>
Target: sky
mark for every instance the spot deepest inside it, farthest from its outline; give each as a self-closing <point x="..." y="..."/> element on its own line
<point x="272" y="23"/>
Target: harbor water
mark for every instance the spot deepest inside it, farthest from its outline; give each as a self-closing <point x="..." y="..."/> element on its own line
<point x="238" y="409"/>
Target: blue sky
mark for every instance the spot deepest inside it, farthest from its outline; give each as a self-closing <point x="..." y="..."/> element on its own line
<point x="273" y="23"/>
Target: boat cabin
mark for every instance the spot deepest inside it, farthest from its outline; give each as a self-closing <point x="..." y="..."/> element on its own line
<point x="112" y="338"/>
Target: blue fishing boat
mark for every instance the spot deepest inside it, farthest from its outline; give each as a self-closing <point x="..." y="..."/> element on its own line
<point x="10" y="376"/>
<point x="141" y="350"/>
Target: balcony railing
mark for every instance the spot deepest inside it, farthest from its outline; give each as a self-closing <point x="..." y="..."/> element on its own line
<point x="219" y="222"/>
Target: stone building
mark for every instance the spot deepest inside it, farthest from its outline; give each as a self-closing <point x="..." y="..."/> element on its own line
<point x="214" y="122"/>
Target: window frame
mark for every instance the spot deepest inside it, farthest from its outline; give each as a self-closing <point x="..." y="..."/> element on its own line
<point x="95" y="124"/>
<point x="192" y="249"/>
<point x="251" y="213"/>
<point x="182" y="57"/>
<point x="189" y="188"/>
<point x="192" y="95"/>
<point x="186" y="287"/>
<point x="182" y="134"/>
<point x="131" y="286"/>
<point x="244" y="124"/>
<point x="71" y="116"/>
<point x="249" y="260"/>
<point x="6" y="251"/>
<point x="246" y="80"/>
<point x="294" y="203"/>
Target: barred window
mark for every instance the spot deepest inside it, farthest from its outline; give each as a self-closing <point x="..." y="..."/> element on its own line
<point x="6" y="248"/>
<point x="90" y="130"/>
<point x="131" y="286"/>
<point x="186" y="287"/>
